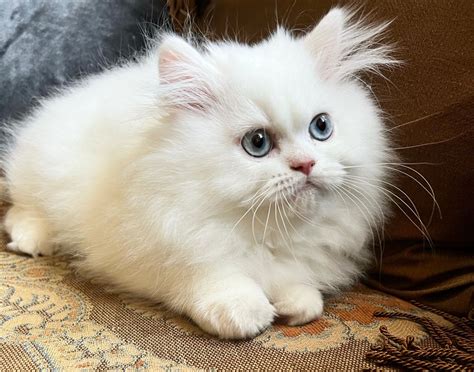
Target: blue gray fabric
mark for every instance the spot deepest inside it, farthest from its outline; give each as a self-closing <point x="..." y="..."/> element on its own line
<point x="45" y="44"/>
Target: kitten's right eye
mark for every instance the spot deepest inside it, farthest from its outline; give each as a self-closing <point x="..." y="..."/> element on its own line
<point x="257" y="143"/>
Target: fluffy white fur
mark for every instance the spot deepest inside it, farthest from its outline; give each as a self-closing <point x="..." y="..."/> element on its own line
<point x="139" y="172"/>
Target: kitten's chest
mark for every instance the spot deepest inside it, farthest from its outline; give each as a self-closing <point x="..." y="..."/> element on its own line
<point x="282" y="240"/>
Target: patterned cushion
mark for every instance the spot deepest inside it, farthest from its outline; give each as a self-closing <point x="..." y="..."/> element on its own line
<point x="51" y="318"/>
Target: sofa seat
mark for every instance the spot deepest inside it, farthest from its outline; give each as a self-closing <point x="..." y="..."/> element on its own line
<point x="51" y="318"/>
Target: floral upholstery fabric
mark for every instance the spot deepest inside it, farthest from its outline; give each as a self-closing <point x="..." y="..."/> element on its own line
<point x="51" y="318"/>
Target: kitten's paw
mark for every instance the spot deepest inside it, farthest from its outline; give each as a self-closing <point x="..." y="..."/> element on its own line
<point x="28" y="233"/>
<point x="299" y="304"/>
<point x="238" y="315"/>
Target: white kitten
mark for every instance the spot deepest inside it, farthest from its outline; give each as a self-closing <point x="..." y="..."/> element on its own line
<point x="229" y="182"/>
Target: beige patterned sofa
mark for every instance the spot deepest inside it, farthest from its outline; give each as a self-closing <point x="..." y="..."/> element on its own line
<point x="51" y="319"/>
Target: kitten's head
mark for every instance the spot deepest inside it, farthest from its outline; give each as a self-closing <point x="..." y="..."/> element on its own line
<point x="286" y="119"/>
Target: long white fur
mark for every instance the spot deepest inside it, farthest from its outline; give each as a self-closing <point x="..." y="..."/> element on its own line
<point x="139" y="173"/>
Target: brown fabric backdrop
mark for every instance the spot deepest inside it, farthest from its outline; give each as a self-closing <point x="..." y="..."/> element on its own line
<point x="435" y="88"/>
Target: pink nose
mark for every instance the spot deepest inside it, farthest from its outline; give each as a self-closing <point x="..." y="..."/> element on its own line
<point x="305" y="166"/>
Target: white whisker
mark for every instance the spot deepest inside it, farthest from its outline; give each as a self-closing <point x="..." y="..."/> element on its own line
<point x="288" y="243"/>
<point x="413" y="121"/>
<point x="428" y="143"/>
<point x="266" y="223"/>
<point x="263" y="198"/>
<point x="367" y="216"/>
<point x="421" y="227"/>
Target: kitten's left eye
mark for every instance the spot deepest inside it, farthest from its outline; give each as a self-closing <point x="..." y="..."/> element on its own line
<point x="257" y="143"/>
<point x="321" y="127"/>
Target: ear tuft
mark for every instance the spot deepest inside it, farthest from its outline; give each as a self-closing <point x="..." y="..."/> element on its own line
<point x="344" y="47"/>
<point x="185" y="76"/>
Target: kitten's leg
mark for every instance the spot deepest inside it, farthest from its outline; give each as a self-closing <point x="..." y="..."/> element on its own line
<point x="298" y="303"/>
<point x="28" y="232"/>
<point x="229" y="306"/>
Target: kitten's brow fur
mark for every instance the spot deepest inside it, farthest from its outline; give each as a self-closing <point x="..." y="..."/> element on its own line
<point x="139" y="172"/>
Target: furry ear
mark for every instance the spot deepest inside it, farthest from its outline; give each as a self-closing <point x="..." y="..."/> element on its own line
<point x="186" y="78"/>
<point x="343" y="48"/>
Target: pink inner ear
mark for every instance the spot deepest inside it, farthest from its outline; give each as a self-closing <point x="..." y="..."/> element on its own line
<point x="325" y="41"/>
<point x="167" y="56"/>
<point x="183" y="81"/>
<point x="169" y="63"/>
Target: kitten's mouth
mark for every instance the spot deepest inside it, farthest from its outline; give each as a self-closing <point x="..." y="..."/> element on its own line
<point x="307" y="186"/>
<point x="310" y="183"/>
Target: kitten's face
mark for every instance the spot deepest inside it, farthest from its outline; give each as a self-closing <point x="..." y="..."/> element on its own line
<point x="274" y="125"/>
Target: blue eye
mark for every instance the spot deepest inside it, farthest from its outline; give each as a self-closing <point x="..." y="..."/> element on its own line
<point x="257" y="143"/>
<point x="321" y="127"/>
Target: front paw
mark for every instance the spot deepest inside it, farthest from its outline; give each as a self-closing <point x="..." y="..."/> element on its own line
<point x="298" y="304"/>
<point x="235" y="314"/>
